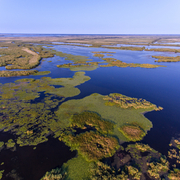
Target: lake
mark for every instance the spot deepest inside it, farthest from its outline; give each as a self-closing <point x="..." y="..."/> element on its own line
<point x="159" y="85"/>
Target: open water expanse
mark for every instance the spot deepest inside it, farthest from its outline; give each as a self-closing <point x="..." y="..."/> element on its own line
<point x="160" y="86"/>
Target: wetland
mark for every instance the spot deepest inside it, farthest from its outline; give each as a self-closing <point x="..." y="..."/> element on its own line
<point x="77" y="107"/>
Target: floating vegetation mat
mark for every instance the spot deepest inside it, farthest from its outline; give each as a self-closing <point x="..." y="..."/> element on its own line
<point x="27" y="106"/>
<point x="118" y="116"/>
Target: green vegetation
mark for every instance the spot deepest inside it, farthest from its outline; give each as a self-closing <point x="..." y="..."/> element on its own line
<point x="99" y="55"/>
<point x="132" y="132"/>
<point x="54" y="174"/>
<point x="87" y="118"/>
<point x="166" y="58"/>
<point x="1" y="144"/>
<point x="118" y="63"/>
<point x="102" y="171"/>
<point x="144" y="161"/>
<point x="177" y="143"/>
<point x="22" y="55"/>
<point x="19" y="58"/>
<point x="77" y="168"/>
<point x="128" y="102"/>
<point x="92" y="146"/>
<point x="147" y="161"/>
<point x="32" y="121"/>
<point x="175" y="155"/>
<point x="174" y="175"/>
<point x="127" y="48"/>
<point x="1" y="174"/>
<point x="42" y="73"/>
<point x="155" y="169"/>
<point x="18" y="73"/>
<point x="81" y="64"/>
<point x="163" y="50"/>
<point x="117" y="115"/>
<point x="90" y="66"/>
<point x="136" y="150"/>
<point x="10" y="143"/>
<point x="42" y="52"/>
<point x="112" y="62"/>
<point x="134" y="173"/>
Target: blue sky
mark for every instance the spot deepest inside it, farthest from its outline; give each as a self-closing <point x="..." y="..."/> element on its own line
<point x="90" y="16"/>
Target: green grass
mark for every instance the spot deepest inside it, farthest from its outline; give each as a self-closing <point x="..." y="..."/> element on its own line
<point x="96" y="103"/>
<point x="78" y="168"/>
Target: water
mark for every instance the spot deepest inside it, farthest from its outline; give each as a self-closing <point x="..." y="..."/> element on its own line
<point x="159" y="85"/>
<point x="146" y="46"/>
<point x="174" y="43"/>
<point x="29" y="163"/>
<point x="72" y="43"/>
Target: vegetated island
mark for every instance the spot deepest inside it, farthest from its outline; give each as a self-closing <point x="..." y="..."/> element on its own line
<point x="166" y="58"/>
<point x="111" y="62"/>
<point x="19" y="55"/>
